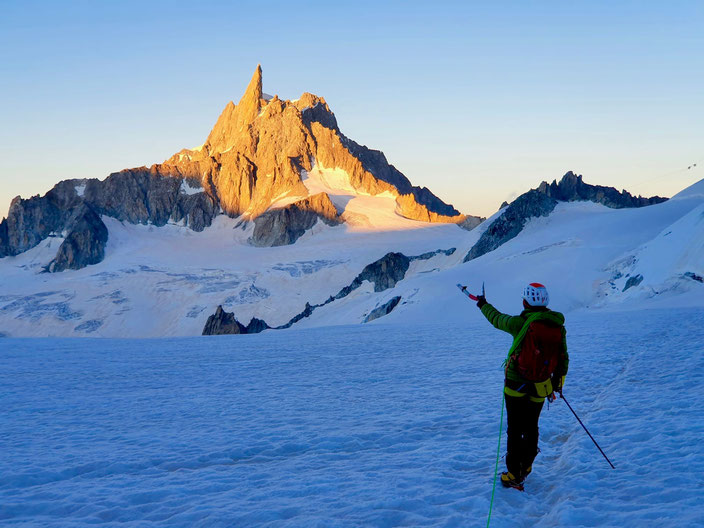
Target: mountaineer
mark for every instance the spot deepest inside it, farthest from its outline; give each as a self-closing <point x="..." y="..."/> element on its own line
<point x="536" y="366"/>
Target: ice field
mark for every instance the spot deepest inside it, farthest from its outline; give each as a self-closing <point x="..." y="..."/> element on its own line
<point x="372" y="425"/>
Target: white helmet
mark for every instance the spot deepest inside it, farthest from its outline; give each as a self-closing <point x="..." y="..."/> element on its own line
<point x="536" y="294"/>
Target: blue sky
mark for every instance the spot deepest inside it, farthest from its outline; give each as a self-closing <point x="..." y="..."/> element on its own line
<point x="477" y="101"/>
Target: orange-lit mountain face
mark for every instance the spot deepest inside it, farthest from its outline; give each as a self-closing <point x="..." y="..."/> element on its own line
<point x="283" y="165"/>
<point x="259" y="149"/>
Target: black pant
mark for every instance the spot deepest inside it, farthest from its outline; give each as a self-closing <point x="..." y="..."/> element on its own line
<point x="522" y="446"/>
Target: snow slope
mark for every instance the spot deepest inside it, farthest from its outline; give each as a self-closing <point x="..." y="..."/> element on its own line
<point x="166" y="281"/>
<point x="670" y="265"/>
<point x="374" y="425"/>
<point x="361" y="211"/>
<point x="572" y="251"/>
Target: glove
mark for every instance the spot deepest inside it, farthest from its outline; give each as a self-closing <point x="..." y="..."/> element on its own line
<point x="481" y="301"/>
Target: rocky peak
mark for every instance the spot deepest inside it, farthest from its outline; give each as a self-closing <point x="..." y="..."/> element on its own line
<point x="256" y="152"/>
<point x="541" y="201"/>
<point x="572" y="188"/>
<point x="258" y="149"/>
<point x="85" y="242"/>
<point x="222" y="322"/>
<point x="285" y="225"/>
<point x="251" y="103"/>
<point x="234" y="118"/>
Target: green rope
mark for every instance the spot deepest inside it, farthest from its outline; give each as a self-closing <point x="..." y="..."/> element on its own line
<point x="498" y="452"/>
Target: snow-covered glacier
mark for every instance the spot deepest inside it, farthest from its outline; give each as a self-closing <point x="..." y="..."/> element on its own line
<point x="373" y="425"/>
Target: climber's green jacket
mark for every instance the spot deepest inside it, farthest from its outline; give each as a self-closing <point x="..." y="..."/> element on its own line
<point x="517" y="326"/>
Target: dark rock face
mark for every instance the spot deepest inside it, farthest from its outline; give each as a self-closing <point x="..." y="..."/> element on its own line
<point x="386" y="271"/>
<point x="375" y="162"/>
<point x="3" y="239"/>
<point x="693" y="276"/>
<point x="431" y="254"/>
<point x="222" y="323"/>
<point x="138" y="196"/>
<point x="572" y="188"/>
<point x="284" y="226"/>
<point x="383" y="310"/>
<point x="541" y="202"/>
<point x="85" y="242"/>
<point x="317" y="113"/>
<point x="197" y="211"/>
<point x="425" y="197"/>
<point x="142" y="196"/>
<point x="307" y="312"/>
<point x="29" y="222"/>
<point x="225" y="323"/>
<point x="256" y="325"/>
<point x="511" y="222"/>
<point x="633" y="281"/>
<point x="383" y="273"/>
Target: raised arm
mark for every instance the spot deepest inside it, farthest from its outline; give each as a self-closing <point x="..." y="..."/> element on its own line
<point x="508" y="323"/>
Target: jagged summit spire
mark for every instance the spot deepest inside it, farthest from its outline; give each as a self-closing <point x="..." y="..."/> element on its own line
<point x="251" y="103"/>
<point x="234" y="118"/>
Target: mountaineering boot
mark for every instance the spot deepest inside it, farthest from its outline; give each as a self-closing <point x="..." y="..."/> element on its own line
<point x="508" y="480"/>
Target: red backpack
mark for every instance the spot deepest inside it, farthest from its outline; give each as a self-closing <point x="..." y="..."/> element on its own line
<point x="541" y="351"/>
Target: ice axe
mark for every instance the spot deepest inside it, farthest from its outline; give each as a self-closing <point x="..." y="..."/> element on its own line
<point x="463" y="289"/>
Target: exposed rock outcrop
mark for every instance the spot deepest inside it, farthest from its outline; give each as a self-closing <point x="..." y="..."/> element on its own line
<point x="138" y="196"/>
<point x="30" y="221"/>
<point x="431" y="254"/>
<point x="257" y="149"/>
<point x="693" y="276"/>
<point x="225" y="323"/>
<point x="633" y="281"/>
<point x="541" y="202"/>
<point x="222" y="322"/>
<point x="85" y="242"/>
<point x="384" y="273"/>
<point x="154" y="196"/>
<point x="511" y="222"/>
<point x="572" y="188"/>
<point x="383" y="310"/>
<point x="255" y="326"/>
<point x="283" y="226"/>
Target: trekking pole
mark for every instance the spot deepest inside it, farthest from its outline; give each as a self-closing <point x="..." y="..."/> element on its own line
<point x="587" y="430"/>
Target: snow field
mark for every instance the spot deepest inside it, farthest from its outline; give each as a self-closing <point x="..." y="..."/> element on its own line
<point x="373" y="425"/>
<point x="166" y="281"/>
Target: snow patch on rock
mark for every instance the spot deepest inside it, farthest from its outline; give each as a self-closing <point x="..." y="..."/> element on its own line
<point x="187" y="189"/>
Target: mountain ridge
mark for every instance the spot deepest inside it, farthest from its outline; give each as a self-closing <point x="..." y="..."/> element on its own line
<point x="257" y="152"/>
